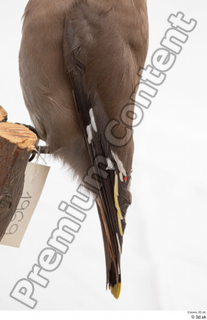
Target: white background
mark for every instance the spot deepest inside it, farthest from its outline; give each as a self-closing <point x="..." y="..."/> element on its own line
<point x="164" y="261"/>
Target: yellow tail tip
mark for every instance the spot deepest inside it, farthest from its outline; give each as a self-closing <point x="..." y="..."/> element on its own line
<point x="116" y="290"/>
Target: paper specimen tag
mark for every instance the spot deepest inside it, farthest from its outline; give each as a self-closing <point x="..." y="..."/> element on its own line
<point x="35" y="177"/>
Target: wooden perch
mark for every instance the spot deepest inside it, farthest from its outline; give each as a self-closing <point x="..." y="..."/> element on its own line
<point x="16" y="145"/>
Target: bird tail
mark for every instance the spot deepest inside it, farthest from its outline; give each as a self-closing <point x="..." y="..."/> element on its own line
<point x="111" y="270"/>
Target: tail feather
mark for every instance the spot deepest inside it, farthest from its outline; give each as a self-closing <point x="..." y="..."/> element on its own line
<point x="113" y="271"/>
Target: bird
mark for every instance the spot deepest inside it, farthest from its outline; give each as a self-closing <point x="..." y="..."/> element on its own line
<point x="78" y="65"/>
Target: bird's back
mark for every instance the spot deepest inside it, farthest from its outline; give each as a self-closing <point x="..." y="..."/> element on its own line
<point x="116" y="35"/>
<point x="79" y="61"/>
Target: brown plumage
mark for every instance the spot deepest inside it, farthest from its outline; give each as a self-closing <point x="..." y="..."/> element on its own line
<point x="78" y="60"/>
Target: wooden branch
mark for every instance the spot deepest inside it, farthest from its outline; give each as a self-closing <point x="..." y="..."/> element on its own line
<point x="16" y="145"/>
